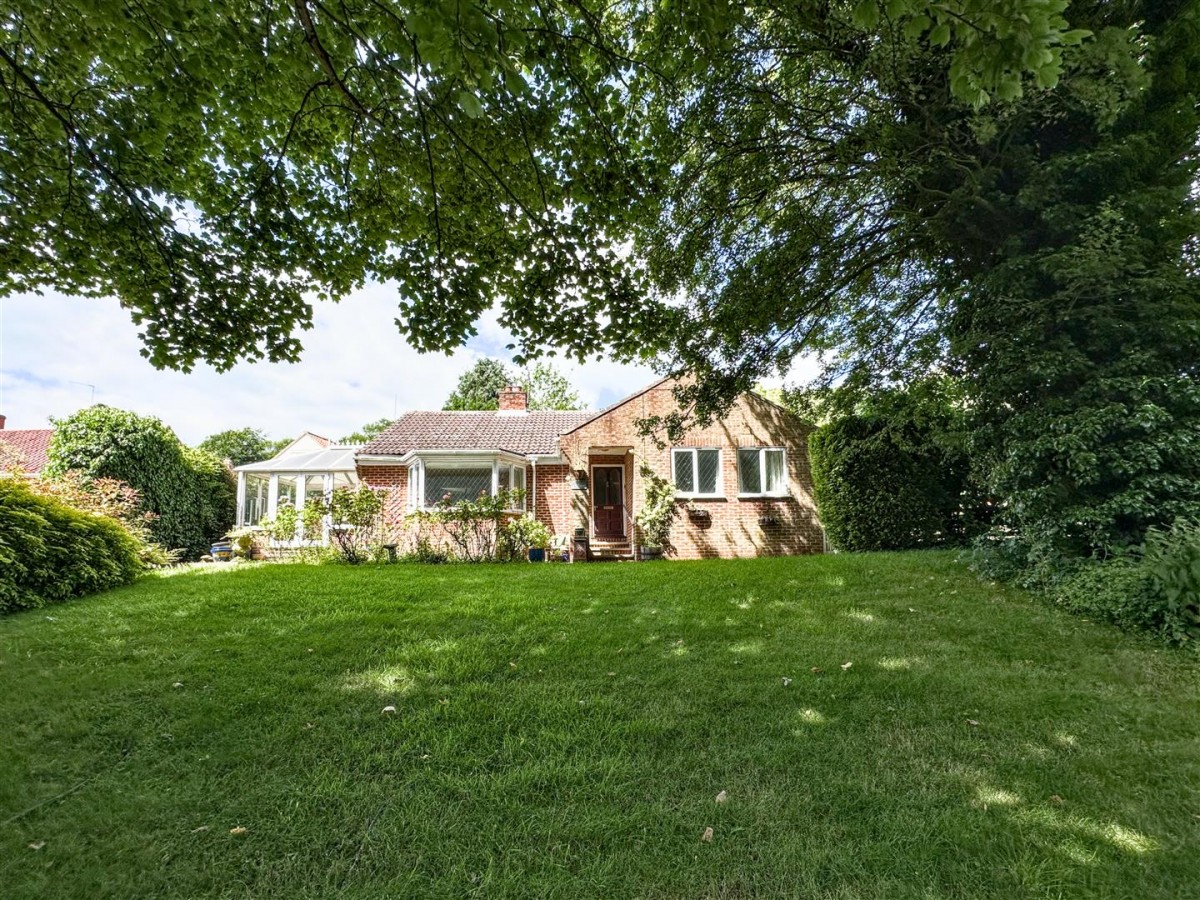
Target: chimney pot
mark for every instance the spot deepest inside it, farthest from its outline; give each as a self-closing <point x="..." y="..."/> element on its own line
<point x="1" y="423"/>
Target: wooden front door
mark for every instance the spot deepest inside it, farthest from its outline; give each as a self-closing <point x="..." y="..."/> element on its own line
<point x="608" y="501"/>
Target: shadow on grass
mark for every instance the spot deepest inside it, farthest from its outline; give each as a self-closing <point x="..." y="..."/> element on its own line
<point x="565" y="730"/>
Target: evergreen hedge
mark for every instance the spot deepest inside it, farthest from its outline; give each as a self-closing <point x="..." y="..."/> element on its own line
<point x="887" y="484"/>
<point x="50" y="552"/>
<point x="190" y="491"/>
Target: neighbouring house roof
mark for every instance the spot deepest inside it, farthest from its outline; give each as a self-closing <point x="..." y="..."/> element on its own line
<point x="525" y="433"/>
<point x="331" y="459"/>
<point x="306" y="442"/>
<point x="31" y="444"/>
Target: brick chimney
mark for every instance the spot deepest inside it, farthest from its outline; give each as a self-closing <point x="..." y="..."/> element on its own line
<point x="1" y="423"/>
<point x="513" y="399"/>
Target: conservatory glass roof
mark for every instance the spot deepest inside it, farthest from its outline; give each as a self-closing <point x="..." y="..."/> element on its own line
<point x="329" y="459"/>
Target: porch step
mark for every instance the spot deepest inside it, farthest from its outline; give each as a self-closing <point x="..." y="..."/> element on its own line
<point x="611" y="550"/>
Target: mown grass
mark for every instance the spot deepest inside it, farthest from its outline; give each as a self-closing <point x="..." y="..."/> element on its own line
<point x="563" y="731"/>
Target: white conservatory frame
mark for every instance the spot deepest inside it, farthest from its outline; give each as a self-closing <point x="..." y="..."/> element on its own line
<point x="334" y="465"/>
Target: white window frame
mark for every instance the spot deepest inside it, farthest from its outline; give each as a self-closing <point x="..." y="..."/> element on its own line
<point x="513" y="468"/>
<point x="762" y="473"/>
<point x="699" y="495"/>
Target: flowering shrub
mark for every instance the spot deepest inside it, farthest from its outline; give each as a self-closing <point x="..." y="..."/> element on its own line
<point x="658" y="512"/>
<point x="475" y="530"/>
<point x="518" y="535"/>
<point x="356" y="527"/>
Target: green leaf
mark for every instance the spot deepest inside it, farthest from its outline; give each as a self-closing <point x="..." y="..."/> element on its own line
<point x="917" y="26"/>
<point x="940" y="36"/>
<point x="866" y="14"/>
<point x="470" y="104"/>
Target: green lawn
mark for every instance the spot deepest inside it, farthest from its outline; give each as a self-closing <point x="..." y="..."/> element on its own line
<point x="564" y="731"/>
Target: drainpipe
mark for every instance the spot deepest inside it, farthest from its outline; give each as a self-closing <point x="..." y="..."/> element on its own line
<point x="533" y="490"/>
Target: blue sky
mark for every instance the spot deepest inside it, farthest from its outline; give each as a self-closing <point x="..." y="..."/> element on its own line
<point x="355" y="368"/>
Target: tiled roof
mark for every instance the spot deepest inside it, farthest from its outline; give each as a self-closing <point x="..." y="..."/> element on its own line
<point x="535" y="431"/>
<point x="31" y="444"/>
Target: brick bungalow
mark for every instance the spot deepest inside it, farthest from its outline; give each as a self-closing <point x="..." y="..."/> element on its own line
<point x="744" y="484"/>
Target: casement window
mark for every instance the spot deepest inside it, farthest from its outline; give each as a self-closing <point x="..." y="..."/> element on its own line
<point x="696" y="471"/>
<point x="762" y="472"/>
<point x="511" y="478"/>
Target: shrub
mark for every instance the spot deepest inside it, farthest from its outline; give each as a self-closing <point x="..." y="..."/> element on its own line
<point x="50" y="552"/>
<point x="190" y="491"/>
<point x="107" y="497"/>
<point x="213" y="488"/>
<point x="356" y="522"/>
<point x="1154" y="587"/>
<point x="892" y="482"/>
<point x="518" y="535"/>
<point x="285" y="524"/>
<point x="658" y="510"/>
<point x="472" y="529"/>
<point x="1171" y="561"/>
<point x="424" y="551"/>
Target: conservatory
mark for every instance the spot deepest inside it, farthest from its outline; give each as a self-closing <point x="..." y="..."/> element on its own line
<point x="306" y="471"/>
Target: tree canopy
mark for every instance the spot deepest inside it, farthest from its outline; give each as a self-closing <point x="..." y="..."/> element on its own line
<point x="368" y="432"/>
<point x="242" y="445"/>
<point x="979" y="187"/>
<point x="479" y="386"/>
<point x="213" y="162"/>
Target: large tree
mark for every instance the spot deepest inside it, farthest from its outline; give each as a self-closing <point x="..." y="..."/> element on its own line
<point x="833" y="193"/>
<point x="547" y="387"/>
<point x="241" y="445"/>
<point x="213" y="163"/>
<point x="368" y="432"/>
<point x="479" y="386"/>
<point x="905" y="184"/>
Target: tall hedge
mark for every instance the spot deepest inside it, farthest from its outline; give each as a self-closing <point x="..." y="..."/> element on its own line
<point x="191" y="492"/>
<point x="891" y="483"/>
<point x="50" y="552"/>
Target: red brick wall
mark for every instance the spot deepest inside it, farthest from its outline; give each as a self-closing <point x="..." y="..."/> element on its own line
<point x="512" y="399"/>
<point x="554" y="497"/>
<point x="393" y="479"/>
<point x="733" y="527"/>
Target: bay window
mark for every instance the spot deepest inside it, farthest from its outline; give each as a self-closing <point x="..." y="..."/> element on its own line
<point x="434" y="479"/>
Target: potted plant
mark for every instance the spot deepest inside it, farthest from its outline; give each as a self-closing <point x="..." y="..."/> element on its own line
<point x="537" y="536"/>
<point x="523" y="537"/>
<point x="698" y="514"/>
<point x="656" y="515"/>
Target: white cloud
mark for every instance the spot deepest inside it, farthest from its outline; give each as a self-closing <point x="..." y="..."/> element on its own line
<point x="355" y="368"/>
